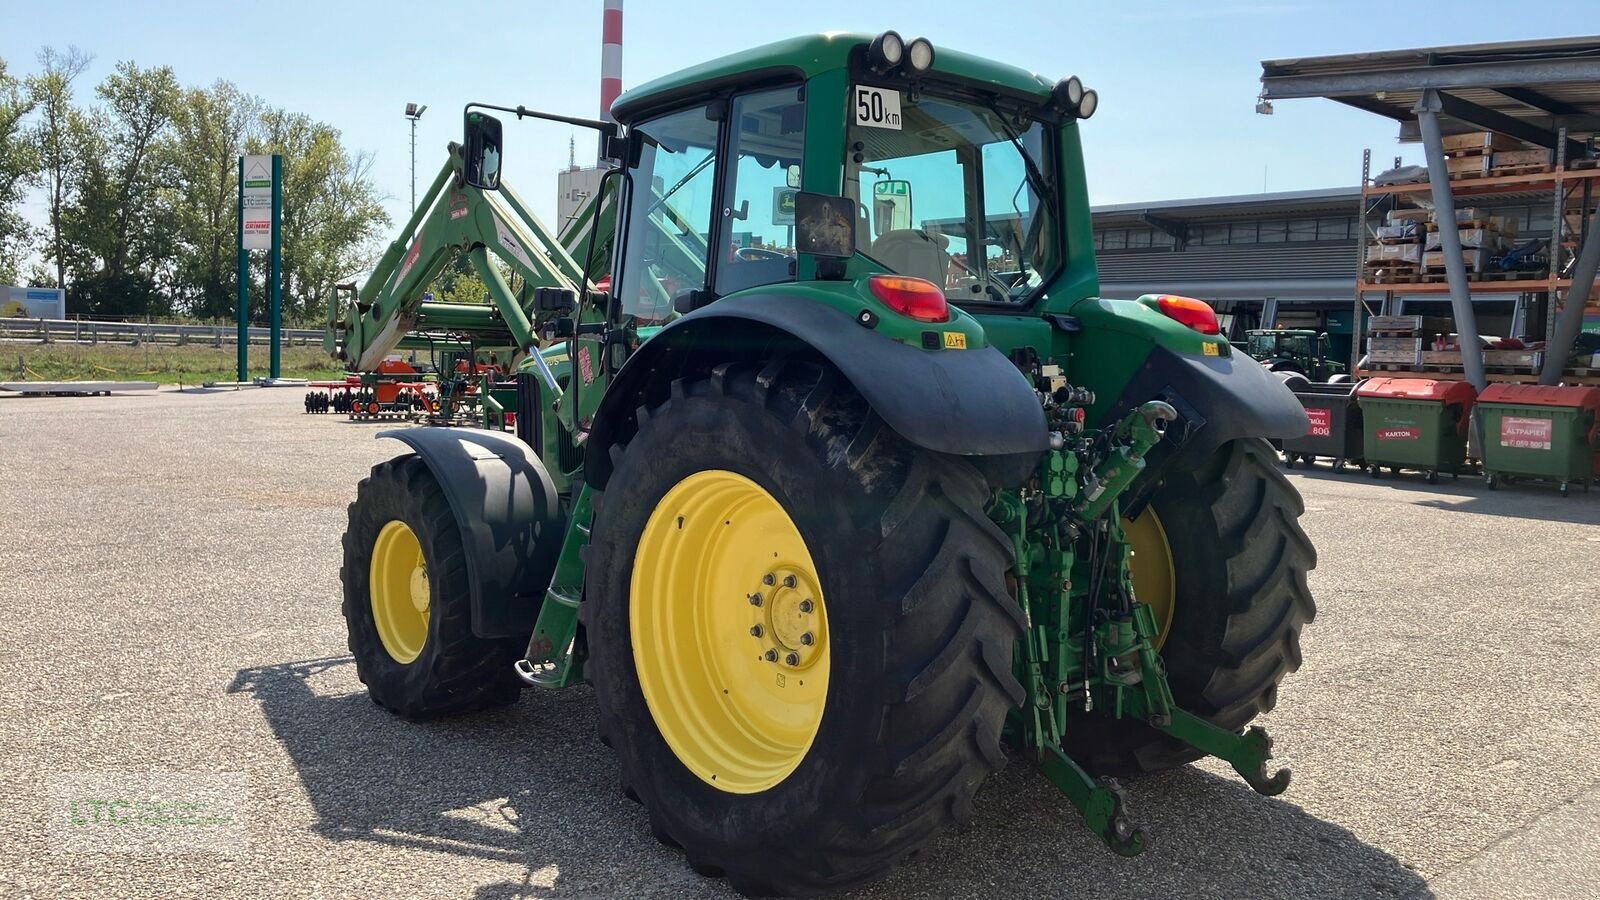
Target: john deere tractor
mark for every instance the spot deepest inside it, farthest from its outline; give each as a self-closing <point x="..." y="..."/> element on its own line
<point x="831" y="472"/>
<point x="1295" y="350"/>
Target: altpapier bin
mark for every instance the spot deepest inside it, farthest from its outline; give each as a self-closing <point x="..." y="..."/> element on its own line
<point x="1540" y="431"/>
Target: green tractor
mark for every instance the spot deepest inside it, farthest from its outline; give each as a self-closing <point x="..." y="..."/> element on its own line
<point x="1295" y="350"/>
<point x="838" y="495"/>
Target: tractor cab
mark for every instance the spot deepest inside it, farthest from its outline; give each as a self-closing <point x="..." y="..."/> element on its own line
<point x="1292" y="350"/>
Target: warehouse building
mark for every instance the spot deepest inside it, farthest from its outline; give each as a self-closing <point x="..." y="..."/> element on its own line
<point x="1286" y="258"/>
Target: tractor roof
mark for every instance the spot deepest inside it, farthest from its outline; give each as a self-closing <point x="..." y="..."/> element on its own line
<point x="803" y="57"/>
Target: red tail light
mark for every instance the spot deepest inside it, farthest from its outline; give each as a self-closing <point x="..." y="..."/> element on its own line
<point x="1196" y="314"/>
<point x="914" y="298"/>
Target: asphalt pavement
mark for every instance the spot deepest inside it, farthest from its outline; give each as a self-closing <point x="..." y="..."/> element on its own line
<point x="169" y="607"/>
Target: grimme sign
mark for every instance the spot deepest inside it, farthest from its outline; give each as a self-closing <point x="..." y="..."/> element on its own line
<point x="257" y="192"/>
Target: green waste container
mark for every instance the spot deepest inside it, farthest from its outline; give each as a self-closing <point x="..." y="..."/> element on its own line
<point x="1415" y="423"/>
<point x="1540" y="431"/>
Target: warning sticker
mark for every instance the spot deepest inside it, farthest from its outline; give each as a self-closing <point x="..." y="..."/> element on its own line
<point x="1321" y="422"/>
<point x="1526" y="434"/>
<point x="1399" y="434"/>
<point x="411" y="258"/>
<point x="508" y="240"/>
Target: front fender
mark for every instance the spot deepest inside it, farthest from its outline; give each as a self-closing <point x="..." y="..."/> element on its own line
<point x="960" y="402"/>
<point x="509" y="515"/>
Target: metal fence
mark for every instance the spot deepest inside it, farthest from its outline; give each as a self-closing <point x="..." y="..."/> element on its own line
<point x="75" y="331"/>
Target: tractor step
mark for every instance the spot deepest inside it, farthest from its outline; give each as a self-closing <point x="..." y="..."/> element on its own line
<point x="549" y="662"/>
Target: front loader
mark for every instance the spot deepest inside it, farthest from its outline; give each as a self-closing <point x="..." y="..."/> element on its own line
<point x="847" y="485"/>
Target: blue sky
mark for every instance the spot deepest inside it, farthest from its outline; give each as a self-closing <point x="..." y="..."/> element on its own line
<point x="1177" y="81"/>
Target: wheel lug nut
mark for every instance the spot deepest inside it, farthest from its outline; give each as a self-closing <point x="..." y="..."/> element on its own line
<point x="755" y="599"/>
<point x="788" y="581"/>
<point x="755" y="631"/>
<point x="769" y="579"/>
<point x="792" y="659"/>
<point x="805" y="606"/>
<point x="807" y="639"/>
<point x="772" y="656"/>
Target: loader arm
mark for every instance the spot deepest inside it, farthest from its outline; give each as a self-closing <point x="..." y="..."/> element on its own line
<point x="391" y="310"/>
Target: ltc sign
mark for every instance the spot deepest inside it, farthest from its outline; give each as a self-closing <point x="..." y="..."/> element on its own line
<point x="257" y="212"/>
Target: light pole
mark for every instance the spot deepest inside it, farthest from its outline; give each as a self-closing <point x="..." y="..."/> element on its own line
<point x="414" y="112"/>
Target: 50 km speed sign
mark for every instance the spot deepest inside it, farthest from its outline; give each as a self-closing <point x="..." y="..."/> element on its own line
<point x="876" y="107"/>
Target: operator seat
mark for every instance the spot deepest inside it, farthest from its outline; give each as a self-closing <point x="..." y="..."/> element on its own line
<point x="911" y="251"/>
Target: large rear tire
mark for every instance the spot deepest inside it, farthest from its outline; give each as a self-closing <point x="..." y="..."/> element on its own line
<point x="917" y="647"/>
<point x="1240" y="560"/>
<point x="407" y="607"/>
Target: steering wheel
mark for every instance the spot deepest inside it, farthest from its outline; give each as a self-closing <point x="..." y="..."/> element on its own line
<point x="756" y="254"/>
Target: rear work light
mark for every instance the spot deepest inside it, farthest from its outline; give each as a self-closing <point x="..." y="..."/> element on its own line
<point x="1196" y="314"/>
<point x="914" y="298"/>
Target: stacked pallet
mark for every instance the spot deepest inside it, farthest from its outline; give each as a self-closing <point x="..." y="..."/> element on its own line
<point x="1396" y="342"/>
<point x="1409" y="247"/>
<point x="1479" y="154"/>
<point x="1396" y="251"/>
<point x="1483" y="238"/>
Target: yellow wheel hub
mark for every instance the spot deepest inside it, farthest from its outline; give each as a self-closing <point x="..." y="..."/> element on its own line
<point x="1153" y="579"/>
<point x="398" y="583"/>
<point x="730" y="633"/>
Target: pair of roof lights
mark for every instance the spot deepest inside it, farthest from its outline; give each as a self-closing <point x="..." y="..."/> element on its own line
<point x="888" y="50"/>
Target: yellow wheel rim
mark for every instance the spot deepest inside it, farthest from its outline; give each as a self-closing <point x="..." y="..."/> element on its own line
<point x="1153" y="579"/>
<point x="398" y="583"/>
<point x="730" y="633"/>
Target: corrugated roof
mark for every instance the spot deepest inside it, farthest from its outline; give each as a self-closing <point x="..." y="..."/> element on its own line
<point x="1342" y="200"/>
<point x="1504" y="86"/>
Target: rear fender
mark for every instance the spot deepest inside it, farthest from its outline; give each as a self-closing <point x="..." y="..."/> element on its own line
<point x="509" y="515"/>
<point x="1218" y="399"/>
<point x="972" y="403"/>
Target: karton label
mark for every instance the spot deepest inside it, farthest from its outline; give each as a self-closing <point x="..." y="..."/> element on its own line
<point x="1321" y="422"/>
<point x="1526" y="434"/>
<point x="1399" y="434"/>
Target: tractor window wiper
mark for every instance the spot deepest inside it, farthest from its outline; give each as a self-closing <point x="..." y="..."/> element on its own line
<point x="1036" y="180"/>
<point x="698" y="168"/>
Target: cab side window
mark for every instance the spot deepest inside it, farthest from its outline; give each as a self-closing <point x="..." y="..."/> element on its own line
<point x="766" y="141"/>
<point x="670" y="219"/>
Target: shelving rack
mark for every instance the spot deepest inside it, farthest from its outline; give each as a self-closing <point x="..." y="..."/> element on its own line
<point x="1572" y="193"/>
<point x="1542" y="93"/>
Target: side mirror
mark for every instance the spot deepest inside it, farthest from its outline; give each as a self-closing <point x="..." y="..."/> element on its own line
<point x="792" y="176"/>
<point x="480" y="151"/>
<point x="825" y="225"/>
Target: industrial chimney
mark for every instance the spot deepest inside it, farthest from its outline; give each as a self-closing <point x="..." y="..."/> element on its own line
<point x="610" y="57"/>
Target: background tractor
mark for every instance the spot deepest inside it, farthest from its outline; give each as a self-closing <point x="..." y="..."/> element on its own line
<point x="834" y="492"/>
<point x="1294" y="350"/>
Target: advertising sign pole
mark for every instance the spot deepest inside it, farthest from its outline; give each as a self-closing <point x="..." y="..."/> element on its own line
<point x="276" y="287"/>
<point x="258" y="230"/>
<point x="244" y="287"/>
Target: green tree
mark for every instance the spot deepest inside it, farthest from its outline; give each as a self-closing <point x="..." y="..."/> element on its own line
<point x="210" y="130"/>
<point x="19" y="167"/>
<point x="51" y="92"/>
<point x="332" y="212"/>
<point x="121" y="235"/>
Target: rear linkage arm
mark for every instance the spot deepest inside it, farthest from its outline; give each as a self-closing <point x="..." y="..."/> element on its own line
<point x="1089" y="641"/>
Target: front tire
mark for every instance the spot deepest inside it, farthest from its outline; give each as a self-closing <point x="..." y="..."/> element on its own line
<point x="917" y="644"/>
<point x="407" y="606"/>
<point x="1239" y="558"/>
